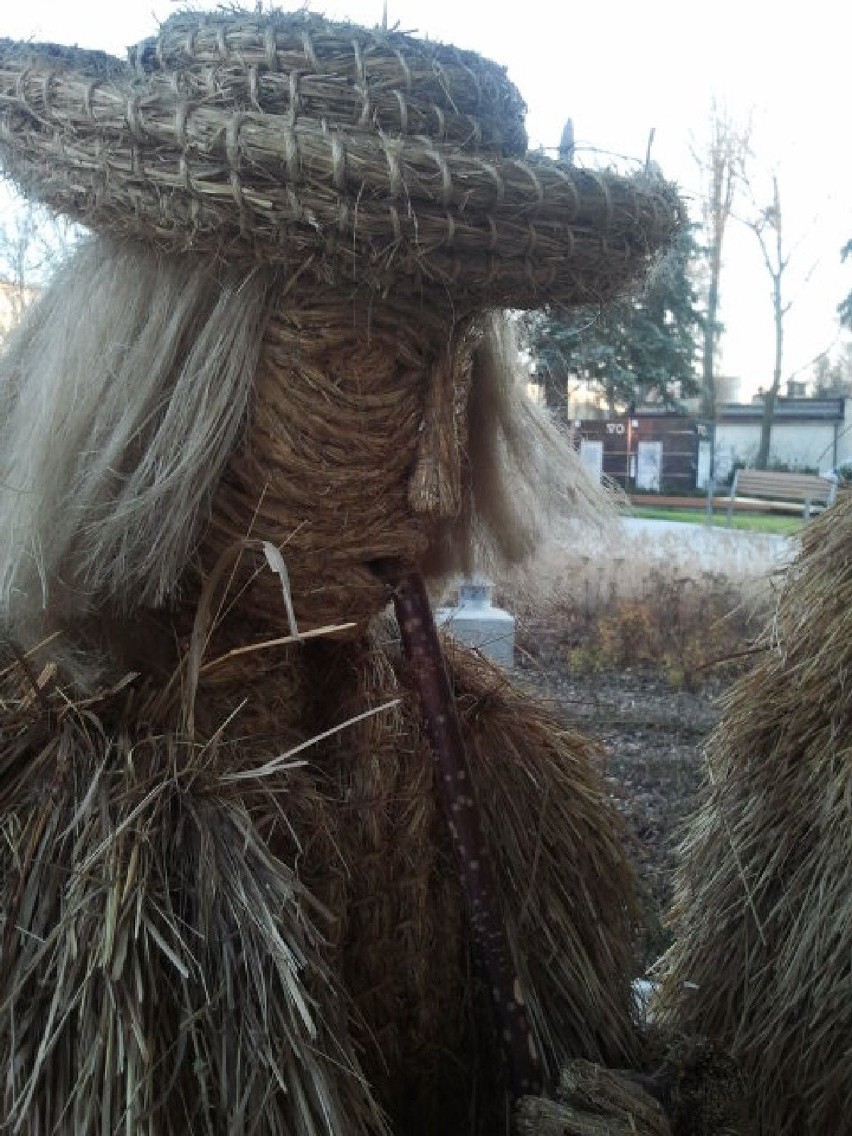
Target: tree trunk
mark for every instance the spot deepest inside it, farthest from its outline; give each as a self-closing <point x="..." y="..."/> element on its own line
<point x="711" y="334"/>
<point x="723" y="166"/>
<point x="772" y="394"/>
<point x="776" y="268"/>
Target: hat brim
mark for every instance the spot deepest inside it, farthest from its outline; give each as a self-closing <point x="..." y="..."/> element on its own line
<point x="128" y="153"/>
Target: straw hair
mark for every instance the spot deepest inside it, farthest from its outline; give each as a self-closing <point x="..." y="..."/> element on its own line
<point x="173" y="158"/>
<point x="762" y="911"/>
<point x="524" y="477"/>
<point x="184" y="411"/>
<point x="123" y="393"/>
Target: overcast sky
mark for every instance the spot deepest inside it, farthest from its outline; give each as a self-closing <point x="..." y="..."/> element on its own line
<point x="619" y="69"/>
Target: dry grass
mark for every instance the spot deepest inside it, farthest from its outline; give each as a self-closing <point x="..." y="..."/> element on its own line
<point x="592" y="1101"/>
<point x="762" y="919"/>
<point x="544" y="807"/>
<point x="612" y="599"/>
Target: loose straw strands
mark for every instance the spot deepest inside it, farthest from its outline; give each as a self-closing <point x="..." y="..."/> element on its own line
<point x="180" y="860"/>
<point x="593" y="1101"/>
<point x="160" y="965"/>
<point x="763" y="908"/>
<point x="563" y="873"/>
<point x="285" y="760"/>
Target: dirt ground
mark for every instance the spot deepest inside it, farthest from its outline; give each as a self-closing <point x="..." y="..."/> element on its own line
<point x="652" y="737"/>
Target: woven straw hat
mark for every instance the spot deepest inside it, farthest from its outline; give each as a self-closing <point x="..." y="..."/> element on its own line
<point x="360" y="155"/>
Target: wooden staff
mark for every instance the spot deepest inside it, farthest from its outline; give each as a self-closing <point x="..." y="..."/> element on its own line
<point x="423" y="650"/>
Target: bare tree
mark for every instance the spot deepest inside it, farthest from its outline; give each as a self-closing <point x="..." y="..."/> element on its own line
<point x="32" y="242"/>
<point x="722" y="162"/>
<point x="767" y="227"/>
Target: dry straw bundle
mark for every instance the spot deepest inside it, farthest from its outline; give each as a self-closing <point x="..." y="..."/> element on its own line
<point x="592" y="1101"/>
<point x="763" y="910"/>
<point x="161" y="968"/>
<point x="189" y="150"/>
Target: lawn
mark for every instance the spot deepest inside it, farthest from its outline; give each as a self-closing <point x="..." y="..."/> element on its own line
<point x="755" y="522"/>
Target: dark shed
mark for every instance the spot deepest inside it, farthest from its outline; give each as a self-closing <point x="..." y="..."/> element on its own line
<point x="663" y="453"/>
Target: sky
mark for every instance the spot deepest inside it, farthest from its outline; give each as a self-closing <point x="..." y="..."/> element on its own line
<point x="618" y="70"/>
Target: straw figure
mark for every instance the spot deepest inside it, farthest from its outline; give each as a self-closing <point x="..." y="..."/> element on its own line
<point x="762" y="957"/>
<point x="250" y="880"/>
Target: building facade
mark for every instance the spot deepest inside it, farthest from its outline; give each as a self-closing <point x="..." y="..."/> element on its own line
<point x="677" y="454"/>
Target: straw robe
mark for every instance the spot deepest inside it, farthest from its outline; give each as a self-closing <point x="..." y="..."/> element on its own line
<point x="209" y="934"/>
<point x="760" y="961"/>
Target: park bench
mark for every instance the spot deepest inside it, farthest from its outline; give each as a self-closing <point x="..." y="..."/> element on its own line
<point x="785" y="492"/>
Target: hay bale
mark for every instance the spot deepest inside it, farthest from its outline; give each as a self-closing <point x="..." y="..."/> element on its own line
<point x="186" y="158"/>
<point x="763" y="934"/>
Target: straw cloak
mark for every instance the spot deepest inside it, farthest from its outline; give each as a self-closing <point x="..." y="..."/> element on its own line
<point x="229" y="902"/>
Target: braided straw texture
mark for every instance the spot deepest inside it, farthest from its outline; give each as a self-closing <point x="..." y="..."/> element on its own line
<point x="355" y="452"/>
<point x="159" y="156"/>
<point x="303" y="66"/>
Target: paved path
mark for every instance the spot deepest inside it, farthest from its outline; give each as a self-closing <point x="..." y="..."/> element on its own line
<point x="716" y="549"/>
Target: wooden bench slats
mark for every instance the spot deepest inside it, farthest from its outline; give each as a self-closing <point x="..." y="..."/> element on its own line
<point x="798" y="486"/>
<point x="786" y="490"/>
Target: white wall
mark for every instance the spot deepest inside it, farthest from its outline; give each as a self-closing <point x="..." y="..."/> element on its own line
<point x="799" y="445"/>
<point x="844" y="433"/>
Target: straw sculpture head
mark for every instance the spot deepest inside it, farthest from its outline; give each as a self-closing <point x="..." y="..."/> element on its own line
<point x="763" y="909"/>
<point x="274" y="365"/>
<point x="303" y="227"/>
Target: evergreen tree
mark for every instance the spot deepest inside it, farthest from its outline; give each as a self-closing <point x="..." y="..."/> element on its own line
<point x="630" y="351"/>
<point x="832" y="378"/>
